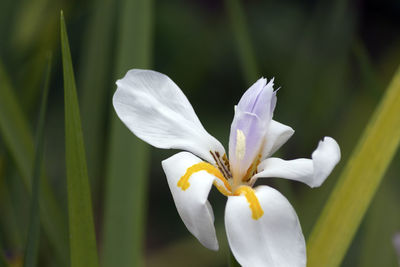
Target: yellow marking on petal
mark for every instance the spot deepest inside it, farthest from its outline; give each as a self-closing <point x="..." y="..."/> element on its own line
<point x="184" y="184"/>
<point x="240" y="144"/>
<point x="251" y="197"/>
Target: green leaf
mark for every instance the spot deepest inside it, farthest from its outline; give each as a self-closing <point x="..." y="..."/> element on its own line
<point x="19" y="142"/>
<point x="30" y="18"/>
<point x="376" y="230"/>
<point x="32" y="246"/>
<point x="244" y="46"/>
<point x="128" y="159"/>
<point x="95" y="81"/>
<point x="13" y="236"/>
<point x="81" y="227"/>
<point x="14" y="128"/>
<point x="358" y="183"/>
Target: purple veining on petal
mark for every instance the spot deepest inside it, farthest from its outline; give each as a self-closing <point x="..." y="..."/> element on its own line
<point x="252" y="116"/>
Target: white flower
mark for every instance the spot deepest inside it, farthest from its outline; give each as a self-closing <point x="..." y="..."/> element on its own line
<point x="261" y="225"/>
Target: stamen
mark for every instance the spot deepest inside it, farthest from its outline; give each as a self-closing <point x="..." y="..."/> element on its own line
<point x="226" y="161"/>
<point x="221" y="164"/>
<point x="223" y="187"/>
<point x="252" y="170"/>
<point x="240" y="144"/>
<point x="251" y="197"/>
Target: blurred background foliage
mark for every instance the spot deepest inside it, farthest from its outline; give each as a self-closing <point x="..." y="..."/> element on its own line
<point x="332" y="60"/>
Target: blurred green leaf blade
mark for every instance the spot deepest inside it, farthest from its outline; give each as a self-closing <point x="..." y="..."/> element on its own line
<point x="18" y="139"/>
<point x="32" y="247"/>
<point x="95" y="81"/>
<point x="243" y="40"/>
<point x="14" y="128"/>
<point x="358" y="183"/>
<point x="83" y="248"/>
<point x="128" y="159"/>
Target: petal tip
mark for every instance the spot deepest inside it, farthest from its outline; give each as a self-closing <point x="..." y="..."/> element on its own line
<point x="325" y="158"/>
<point x="333" y="146"/>
<point x="213" y="247"/>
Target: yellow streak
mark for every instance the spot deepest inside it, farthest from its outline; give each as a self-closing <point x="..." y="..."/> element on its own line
<point x="240" y="144"/>
<point x="223" y="189"/>
<point x="251" y="197"/>
<point x="184" y="184"/>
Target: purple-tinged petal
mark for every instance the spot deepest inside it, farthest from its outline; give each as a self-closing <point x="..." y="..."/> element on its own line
<point x="246" y="103"/>
<point x="253" y="115"/>
<point x="246" y="138"/>
<point x="259" y="99"/>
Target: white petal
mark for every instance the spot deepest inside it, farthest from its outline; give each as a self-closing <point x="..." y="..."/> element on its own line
<point x="276" y="136"/>
<point x="312" y="172"/>
<point x="275" y="239"/>
<point x="192" y="204"/>
<point x="154" y="108"/>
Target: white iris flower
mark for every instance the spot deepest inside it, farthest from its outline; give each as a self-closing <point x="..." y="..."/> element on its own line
<point x="261" y="225"/>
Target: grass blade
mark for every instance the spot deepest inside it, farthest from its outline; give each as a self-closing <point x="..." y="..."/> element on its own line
<point x="358" y="183"/>
<point x="244" y="46"/>
<point x="14" y="128"/>
<point x="19" y="142"/>
<point x="95" y="82"/>
<point x="13" y="237"/>
<point x="376" y="230"/>
<point x="126" y="181"/>
<point x="81" y="227"/>
<point x="32" y="246"/>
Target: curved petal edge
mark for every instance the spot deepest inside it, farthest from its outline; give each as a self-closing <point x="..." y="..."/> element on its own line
<point x="276" y="136"/>
<point x="191" y="203"/>
<point x="312" y="172"/>
<point x="275" y="239"/>
<point x="153" y="107"/>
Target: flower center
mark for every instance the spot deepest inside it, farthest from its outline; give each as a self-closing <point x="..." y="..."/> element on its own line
<point x="223" y="186"/>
